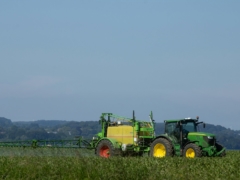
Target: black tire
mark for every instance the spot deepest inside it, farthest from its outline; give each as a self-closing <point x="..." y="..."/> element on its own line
<point x="161" y="148"/>
<point x="105" y="149"/>
<point x="192" y="151"/>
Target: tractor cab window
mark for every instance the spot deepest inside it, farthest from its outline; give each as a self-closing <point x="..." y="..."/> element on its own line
<point x="173" y="130"/>
<point x="170" y="127"/>
<point x="189" y="126"/>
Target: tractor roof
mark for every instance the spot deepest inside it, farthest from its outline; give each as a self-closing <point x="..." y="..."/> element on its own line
<point x="177" y="120"/>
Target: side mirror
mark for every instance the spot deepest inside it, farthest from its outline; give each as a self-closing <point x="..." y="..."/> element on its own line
<point x="204" y="125"/>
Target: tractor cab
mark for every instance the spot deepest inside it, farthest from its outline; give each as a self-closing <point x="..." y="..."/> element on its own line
<point x="178" y="130"/>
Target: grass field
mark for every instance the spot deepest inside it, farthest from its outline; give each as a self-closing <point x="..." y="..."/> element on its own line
<point x="47" y="163"/>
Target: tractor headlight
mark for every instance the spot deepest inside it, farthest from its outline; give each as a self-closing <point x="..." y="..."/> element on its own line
<point x="210" y="140"/>
<point x="95" y="138"/>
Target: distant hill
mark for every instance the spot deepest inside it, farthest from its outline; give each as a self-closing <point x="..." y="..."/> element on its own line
<point x="41" y="123"/>
<point x="61" y="129"/>
<point x="4" y="122"/>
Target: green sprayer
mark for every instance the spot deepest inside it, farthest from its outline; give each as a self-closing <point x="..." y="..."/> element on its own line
<point x="123" y="136"/>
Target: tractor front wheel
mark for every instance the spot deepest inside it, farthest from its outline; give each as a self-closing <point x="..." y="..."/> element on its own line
<point x="161" y="148"/>
<point x="192" y="150"/>
<point x="105" y="149"/>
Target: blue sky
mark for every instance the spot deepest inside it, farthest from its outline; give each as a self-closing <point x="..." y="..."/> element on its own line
<point x="73" y="60"/>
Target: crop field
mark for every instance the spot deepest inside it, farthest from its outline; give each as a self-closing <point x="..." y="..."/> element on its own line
<point x="50" y="163"/>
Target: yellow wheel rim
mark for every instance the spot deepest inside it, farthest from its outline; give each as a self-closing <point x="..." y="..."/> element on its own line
<point x="190" y="153"/>
<point x="159" y="150"/>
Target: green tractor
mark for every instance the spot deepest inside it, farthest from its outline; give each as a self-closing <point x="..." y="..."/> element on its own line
<point x="182" y="138"/>
<point x="123" y="136"/>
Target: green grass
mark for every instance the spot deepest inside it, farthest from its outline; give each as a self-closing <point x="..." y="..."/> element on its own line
<point x="18" y="163"/>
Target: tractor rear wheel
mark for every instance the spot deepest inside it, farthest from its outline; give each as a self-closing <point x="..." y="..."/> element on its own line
<point x="105" y="149"/>
<point x="192" y="150"/>
<point x="161" y="148"/>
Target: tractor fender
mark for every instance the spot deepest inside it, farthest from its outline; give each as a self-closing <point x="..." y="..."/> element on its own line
<point x="189" y="143"/>
<point x="114" y="142"/>
<point x="165" y="137"/>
